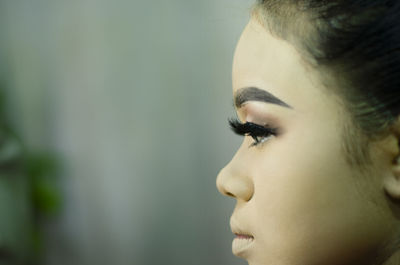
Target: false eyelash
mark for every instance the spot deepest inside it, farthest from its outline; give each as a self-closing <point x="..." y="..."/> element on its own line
<point x="251" y="129"/>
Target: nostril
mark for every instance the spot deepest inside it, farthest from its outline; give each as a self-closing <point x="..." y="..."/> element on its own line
<point x="230" y="194"/>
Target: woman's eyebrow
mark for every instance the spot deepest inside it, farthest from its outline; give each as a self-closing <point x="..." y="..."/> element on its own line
<point x="256" y="94"/>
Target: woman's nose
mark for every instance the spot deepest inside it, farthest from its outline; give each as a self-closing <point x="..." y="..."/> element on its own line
<point x="235" y="183"/>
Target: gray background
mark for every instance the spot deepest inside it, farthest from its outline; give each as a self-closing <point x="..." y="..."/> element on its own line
<point x="134" y="97"/>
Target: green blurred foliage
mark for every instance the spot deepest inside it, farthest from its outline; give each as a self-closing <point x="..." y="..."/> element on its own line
<point x="42" y="170"/>
<point x="28" y="195"/>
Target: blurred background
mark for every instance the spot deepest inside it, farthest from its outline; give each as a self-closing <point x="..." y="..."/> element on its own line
<point x="113" y="129"/>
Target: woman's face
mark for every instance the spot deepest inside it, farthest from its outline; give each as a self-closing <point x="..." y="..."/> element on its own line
<point x="296" y="195"/>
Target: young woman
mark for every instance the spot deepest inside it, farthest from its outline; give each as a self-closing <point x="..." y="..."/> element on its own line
<point x="316" y="87"/>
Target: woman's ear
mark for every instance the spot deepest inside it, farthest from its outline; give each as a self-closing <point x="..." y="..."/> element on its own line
<point x="391" y="182"/>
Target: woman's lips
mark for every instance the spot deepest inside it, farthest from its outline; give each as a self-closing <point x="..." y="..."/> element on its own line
<point x="241" y="236"/>
<point x="241" y="243"/>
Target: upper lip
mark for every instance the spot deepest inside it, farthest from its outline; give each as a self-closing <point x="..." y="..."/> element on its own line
<point x="237" y="229"/>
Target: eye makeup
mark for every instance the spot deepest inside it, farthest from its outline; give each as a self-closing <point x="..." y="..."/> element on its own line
<point x="259" y="133"/>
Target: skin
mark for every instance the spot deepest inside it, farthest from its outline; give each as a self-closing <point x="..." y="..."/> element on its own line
<point x="295" y="192"/>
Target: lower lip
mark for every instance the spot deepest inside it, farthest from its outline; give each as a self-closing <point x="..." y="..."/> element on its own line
<point x="240" y="244"/>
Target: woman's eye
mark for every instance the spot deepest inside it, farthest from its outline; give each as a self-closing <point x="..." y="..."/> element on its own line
<point x="260" y="139"/>
<point x="259" y="133"/>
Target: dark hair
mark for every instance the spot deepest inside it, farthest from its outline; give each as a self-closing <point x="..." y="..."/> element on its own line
<point x="355" y="45"/>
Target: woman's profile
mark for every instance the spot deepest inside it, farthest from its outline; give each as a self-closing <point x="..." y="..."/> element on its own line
<point x="316" y="89"/>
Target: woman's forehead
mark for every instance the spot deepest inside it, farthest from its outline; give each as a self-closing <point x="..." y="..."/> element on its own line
<point x="269" y="63"/>
<point x="263" y="61"/>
